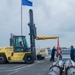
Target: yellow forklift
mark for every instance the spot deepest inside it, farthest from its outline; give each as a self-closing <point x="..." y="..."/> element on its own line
<point x="17" y="52"/>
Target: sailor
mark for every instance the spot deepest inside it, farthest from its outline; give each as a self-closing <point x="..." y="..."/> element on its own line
<point x="53" y="54"/>
<point x="74" y="54"/>
<point x="72" y="50"/>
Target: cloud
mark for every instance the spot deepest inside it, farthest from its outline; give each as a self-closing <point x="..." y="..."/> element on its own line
<point x="57" y="18"/>
<point x="51" y="17"/>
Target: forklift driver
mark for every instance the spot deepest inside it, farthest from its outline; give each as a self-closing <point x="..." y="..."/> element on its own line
<point x="21" y="43"/>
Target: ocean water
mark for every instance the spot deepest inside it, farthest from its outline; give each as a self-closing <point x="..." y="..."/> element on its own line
<point x="65" y="53"/>
<point x="65" y="57"/>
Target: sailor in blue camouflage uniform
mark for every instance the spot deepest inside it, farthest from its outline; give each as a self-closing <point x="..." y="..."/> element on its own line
<point x="53" y="54"/>
<point x="72" y="53"/>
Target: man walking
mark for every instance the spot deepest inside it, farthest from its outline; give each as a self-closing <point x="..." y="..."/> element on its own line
<point x="53" y="54"/>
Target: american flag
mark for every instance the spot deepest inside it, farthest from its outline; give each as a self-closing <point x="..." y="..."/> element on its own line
<point x="58" y="48"/>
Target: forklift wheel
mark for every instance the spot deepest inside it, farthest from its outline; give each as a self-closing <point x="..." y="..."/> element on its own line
<point x="29" y="59"/>
<point x="2" y="59"/>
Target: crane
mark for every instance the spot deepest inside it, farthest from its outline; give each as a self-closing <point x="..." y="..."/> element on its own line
<point x="50" y="37"/>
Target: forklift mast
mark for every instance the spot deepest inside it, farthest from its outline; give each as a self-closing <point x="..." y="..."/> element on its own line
<point x="32" y="32"/>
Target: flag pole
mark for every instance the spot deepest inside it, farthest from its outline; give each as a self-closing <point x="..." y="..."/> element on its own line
<point x="21" y="19"/>
<point x="24" y="2"/>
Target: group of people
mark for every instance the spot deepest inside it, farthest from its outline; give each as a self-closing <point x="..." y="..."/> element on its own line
<point x="72" y="53"/>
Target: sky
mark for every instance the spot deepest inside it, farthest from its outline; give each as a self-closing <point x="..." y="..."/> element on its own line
<point x="51" y="17"/>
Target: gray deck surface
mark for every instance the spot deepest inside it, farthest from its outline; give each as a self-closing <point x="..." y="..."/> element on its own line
<point x="37" y="68"/>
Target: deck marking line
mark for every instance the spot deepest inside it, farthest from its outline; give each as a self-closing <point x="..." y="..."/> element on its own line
<point x="21" y="67"/>
<point x="10" y="67"/>
<point x="13" y="72"/>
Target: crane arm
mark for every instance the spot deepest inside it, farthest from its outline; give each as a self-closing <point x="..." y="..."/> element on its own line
<point x="46" y="37"/>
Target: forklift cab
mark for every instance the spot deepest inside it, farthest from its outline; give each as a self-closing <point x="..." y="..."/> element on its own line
<point x="19" y="43"/>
